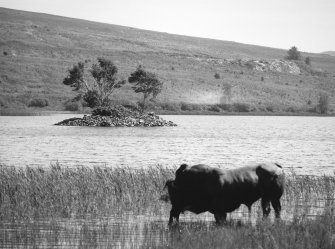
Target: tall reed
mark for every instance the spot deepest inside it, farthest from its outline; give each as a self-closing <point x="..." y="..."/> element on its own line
<point x="57" y="191"/>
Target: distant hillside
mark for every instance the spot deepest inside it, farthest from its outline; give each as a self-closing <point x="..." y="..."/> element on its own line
<point x="332" y="53"/>
<point x="36" y="51"/>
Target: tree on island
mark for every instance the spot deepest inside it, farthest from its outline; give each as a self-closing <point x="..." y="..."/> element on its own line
<point x="293" y="54"/>
<point x="146" y="83"/>
<point x="96" y="92"/>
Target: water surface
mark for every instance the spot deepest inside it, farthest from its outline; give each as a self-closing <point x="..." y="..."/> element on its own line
<point x="122" y="231"/>
<point x="305" y="144"/>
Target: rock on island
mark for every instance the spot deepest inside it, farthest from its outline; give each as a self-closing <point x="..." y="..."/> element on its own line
<point x="118" y="116"/>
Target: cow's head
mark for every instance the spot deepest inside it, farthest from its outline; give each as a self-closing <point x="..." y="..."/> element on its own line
<point x="168" y="185"/>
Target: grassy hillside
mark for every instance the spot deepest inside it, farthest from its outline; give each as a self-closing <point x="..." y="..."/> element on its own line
<point x="37" y="49"/>
<point x="332" y="53"/>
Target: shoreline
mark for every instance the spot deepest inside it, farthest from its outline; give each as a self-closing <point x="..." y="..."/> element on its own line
<point x="162" y="112"/>
<point x="208" y="113"/>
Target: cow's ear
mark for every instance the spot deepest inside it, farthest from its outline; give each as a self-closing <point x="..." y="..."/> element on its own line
<point x="181" y="168"/>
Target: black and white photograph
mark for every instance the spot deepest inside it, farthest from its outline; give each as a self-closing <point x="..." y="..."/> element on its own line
<point x="167" y="124"/>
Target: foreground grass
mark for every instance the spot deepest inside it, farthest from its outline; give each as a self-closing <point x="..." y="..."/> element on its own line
<point x="104" y="233"/>
<point x="100" y="207"/>
<point x="57" y="191"/>
<point x="301" y="233"/>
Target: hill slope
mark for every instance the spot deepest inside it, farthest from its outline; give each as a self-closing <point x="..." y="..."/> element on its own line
<point x="332" y="53"/>
<point x="37" y="49"/>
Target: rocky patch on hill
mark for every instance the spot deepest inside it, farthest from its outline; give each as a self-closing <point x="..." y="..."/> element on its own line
<point x="118" y="117"/>
<point x="283" y="66"/>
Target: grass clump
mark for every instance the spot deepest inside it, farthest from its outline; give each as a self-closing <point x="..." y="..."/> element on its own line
<point x="38" y="103"/>
<point x="72" y="106"/>
<point x="167" y="106"/>
<point x="323" y="103"/>
<point x="226" y="107"/>
<point x="186" y="106"/>
<point x="269" y="108"/>
<point x="3" y="103"/>
<point x="214" y="108"/>
<point x="191" y="107"/>
<point x="241" y="107"/>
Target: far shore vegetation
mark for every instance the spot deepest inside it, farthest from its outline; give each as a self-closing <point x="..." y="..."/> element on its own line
<point x="96" y="84"/>
<point x="182" y="108"/>
<point x="95" y="88"/>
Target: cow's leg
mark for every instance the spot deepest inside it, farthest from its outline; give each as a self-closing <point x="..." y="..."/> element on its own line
<point x="174" y="213"/>
<point x="249" y="213"/>
<point x="171" y="217"/>
<point x="266" y="207"/>
<point x="276" y="206"/>
<point x="177" y="216"/>
<point x="220" y="218"/>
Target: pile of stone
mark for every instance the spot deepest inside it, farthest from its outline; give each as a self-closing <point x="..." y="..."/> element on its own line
<point x="282" y="66"/>
<point x="119" y="117"/>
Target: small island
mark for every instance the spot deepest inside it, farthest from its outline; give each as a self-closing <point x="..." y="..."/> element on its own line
<point x="96" y="93"/>
<point x="118" y="116"/>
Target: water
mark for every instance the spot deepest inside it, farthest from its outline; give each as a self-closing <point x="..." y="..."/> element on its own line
<point x="127" y="231"/>
<point x="305" y="144"/>
<point x="121" y="231"/>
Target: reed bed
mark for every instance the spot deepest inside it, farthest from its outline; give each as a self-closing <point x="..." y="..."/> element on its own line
<point x="57" y="191"/>
<point x="103" y="207"/>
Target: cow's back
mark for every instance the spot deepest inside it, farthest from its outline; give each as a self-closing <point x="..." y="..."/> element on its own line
<point x="256" y="179"/>
<point x="198" y="177"/>
<point x="194" y="175"/>
<point x="198" y="184"/>
<point x="247" y="184"/>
